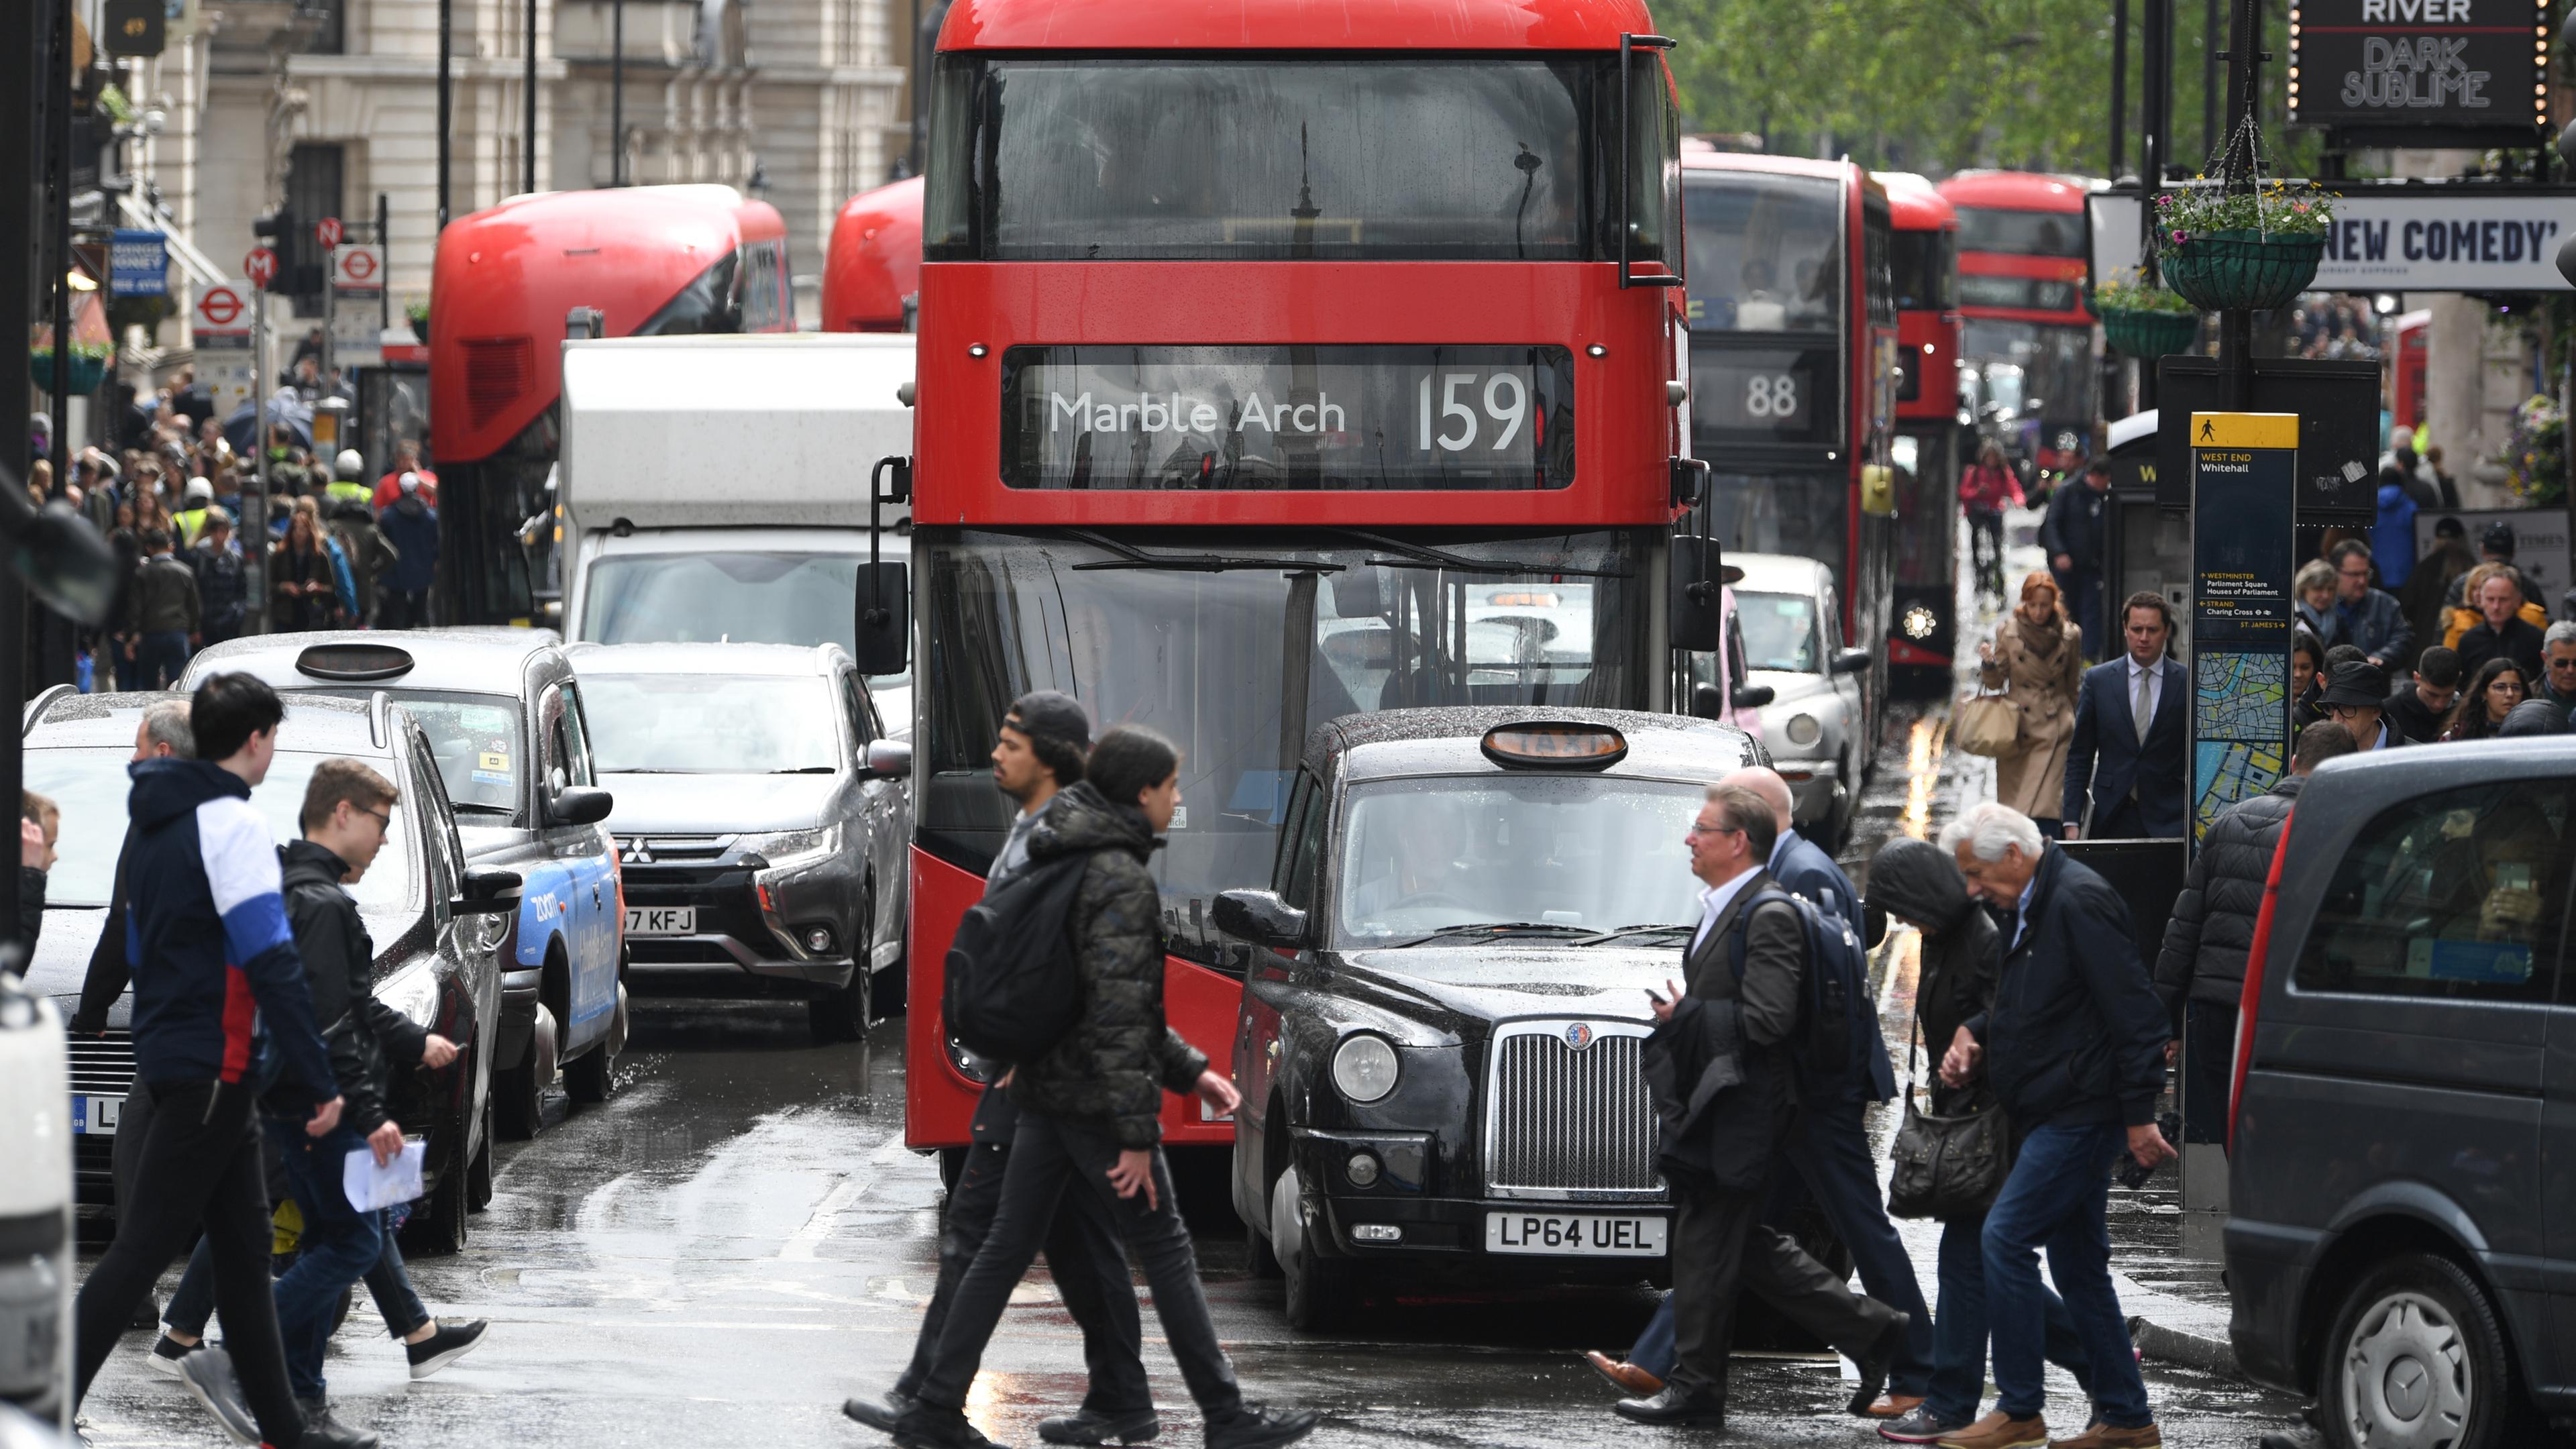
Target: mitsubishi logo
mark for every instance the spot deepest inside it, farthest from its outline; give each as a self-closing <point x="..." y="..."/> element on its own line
<point x="1578" y="1035"/>
<point x="636" y="853"/>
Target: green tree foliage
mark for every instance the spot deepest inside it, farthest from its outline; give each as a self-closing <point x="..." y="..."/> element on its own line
<point x="1938" y="85"/>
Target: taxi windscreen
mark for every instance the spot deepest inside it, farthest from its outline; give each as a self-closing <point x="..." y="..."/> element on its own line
<point x="1589" y="852"/>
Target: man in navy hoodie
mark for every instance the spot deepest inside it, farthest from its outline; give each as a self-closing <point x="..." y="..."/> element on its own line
<point x="215" y="971"/>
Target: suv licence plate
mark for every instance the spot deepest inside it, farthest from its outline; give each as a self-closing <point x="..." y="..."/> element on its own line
<point x="1575" y="1234"/>
<point x="661" y="920"/>
<point x="96" y="1116"/>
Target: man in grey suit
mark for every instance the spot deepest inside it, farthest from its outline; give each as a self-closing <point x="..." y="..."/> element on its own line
<point x="1726" y="1087"/>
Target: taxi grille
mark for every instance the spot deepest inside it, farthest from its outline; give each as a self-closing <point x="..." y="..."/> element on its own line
<point x="1570" y="1122"/>
<point x="103" y="1066"/>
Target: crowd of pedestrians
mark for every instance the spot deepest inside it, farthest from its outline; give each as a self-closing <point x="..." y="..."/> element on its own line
<point x="341" y="551"/>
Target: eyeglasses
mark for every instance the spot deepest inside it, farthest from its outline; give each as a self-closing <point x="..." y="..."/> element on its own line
<point x="1699" y="829"/>
<point x="384" y="818"/>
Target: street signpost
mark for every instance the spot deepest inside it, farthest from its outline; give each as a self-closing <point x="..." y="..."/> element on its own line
<point x="261" y="267"/>
<point x="327" y="232"/>
<point x="2244" y="486"/>
<point x="357" y="300"/>
<point x="220" y="325"/>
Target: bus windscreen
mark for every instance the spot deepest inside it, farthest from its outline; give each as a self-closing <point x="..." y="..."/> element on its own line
<point x="1765" y="251"/>
<point x="1324" y="417"/>
<point x="2021" y="233"/>
<point x="1127" y="158"/>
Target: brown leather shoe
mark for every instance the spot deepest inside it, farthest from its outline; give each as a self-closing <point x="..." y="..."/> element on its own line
<point x="1893" y="1406"/>
<point x="1998" y="1431"/>
<point x="2103" y="1436"/>
<point x="1626" y="1377"/>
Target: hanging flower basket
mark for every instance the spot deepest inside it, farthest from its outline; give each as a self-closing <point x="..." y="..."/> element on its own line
<point x="2135" y="333"/>
<point x="2226" y="269"/>
<point x="87" y="370"/>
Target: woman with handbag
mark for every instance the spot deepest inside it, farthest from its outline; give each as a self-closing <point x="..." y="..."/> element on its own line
<point x="1919" y="883"/>
<point x="2037" y="659"/>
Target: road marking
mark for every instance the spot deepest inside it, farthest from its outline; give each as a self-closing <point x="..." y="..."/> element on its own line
<point x="801" y="1243"/>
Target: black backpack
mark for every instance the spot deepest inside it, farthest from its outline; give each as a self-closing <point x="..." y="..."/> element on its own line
<point x="1012" y="987"/>
<point x="1837" y="975"/>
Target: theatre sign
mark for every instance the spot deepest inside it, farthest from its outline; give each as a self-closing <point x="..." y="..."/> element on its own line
<point x="2463" y="66"/>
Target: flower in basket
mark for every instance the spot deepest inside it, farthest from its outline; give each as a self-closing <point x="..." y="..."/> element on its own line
<point x="2127" y="290"/>
<point x="2275" y="208"/>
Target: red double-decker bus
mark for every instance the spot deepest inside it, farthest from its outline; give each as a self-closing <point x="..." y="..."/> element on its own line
<point x="1929" y="436"/>
<point x="652" y="261"/>
<point x="1793" y="337"/>
<point x="2021" y="289"/>
<point x="1278" y="361"/>
<point x="872" y="270"/>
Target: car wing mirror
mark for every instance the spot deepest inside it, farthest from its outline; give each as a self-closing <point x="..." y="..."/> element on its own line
<point x="889" y="759"/>
<point x="1260" y="917"/>
<point x="489" y="890"/>
<point x="580" y="805"/>
<point x="1850" y="661"/>
<point x="1754" y="696"/>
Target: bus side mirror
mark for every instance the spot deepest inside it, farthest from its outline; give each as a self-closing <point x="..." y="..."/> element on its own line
<point x="882" y="642"/>
<point x="1359" y="593"/>
<point x="1699" y="595"/>
<point x="1708" y="702"/>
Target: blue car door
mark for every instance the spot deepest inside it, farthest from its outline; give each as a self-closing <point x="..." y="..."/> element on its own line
<point x="590" y="923"/>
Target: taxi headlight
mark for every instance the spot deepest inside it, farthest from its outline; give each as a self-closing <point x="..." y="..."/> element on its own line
<point x="1803" y="730"/>
<point x="414" y="993"/>
<point x="1364" y="1068"/>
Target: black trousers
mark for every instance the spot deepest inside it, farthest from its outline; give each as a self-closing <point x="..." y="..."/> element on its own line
<point x="1090" y="1272"/>
<point x="1053" y="1159"/>
<point x="199" y="1162"/>
<point x="1721" y="1247"/>
<point x="2208" y="1069"/>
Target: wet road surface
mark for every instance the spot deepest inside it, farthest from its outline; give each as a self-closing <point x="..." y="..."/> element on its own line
<point x="738" y="1239"/>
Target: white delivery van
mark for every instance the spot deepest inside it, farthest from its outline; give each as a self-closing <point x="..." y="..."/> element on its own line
<point x="716" y="488"/>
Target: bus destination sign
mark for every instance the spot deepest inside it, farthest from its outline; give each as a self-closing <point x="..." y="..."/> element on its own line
<point x="1288" y="417"/>
<point x="2419" y="64"/>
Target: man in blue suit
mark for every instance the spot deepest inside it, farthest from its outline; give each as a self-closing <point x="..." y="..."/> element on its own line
<point x="1827" y="1148"/>
<point x="2127" y="755"/>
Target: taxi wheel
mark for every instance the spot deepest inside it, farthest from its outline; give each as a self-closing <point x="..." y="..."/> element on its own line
<point x="1320" y="1290"/>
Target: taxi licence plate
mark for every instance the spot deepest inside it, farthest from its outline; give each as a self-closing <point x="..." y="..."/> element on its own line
<point x="96" y="1116"/>
<point x="1575" y="1234"/>
<point x="661" y="920"/>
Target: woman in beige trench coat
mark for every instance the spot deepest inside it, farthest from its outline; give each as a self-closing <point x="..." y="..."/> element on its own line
<point x="2037" y="659"/>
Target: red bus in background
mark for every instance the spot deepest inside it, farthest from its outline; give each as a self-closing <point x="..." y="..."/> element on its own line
<point x="1275" y="365"/>
<point x="2409" y="360"/>
<point x="2028" y="333"/>
<point x="872" y="272"/>
<point x="1793" y="340"/>
<point x="1929" y="440"/>
<point x="653" y="261"/>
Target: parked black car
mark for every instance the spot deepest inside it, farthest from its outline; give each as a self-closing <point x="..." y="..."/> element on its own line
<point x="438" y="924"/>
<point x="1440" y="1049"/>
<point x="2402" y="1176"/>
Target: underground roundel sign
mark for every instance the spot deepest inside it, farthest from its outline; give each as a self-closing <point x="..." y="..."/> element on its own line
<point x="218" y="308"/>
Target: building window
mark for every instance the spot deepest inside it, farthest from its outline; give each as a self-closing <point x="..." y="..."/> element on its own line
<point x="328" y="26"/>
<point x="313" y="191"/>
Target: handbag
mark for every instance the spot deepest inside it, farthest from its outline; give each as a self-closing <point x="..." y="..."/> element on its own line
<point x="1987" y="724"/>
<point x="1946" y="1166"/>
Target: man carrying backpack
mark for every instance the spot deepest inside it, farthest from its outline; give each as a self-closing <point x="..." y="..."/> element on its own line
<point x="1726" y="1087"/>
<point x="1040" y="753"/>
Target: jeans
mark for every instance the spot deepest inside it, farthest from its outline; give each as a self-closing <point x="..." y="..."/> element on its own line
<point x="1653" y="1350"/>
<point x="1828" y="1149"/>
<point x="1986" y="547"/>
<point x="199" y="1164"/>
<point x="160" y="658"/>
<point x="1090" y="1273"/>
<point x="2208" y="1069"/>
<point x="1959" y="1333"/>
<point x="2056" y="1197"/>
<point x="192" y="1303"/>
<point x="1051" y="1157"/>
<point x="339" y="1245"/>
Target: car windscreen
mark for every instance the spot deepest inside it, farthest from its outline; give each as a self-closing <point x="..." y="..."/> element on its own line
<point x="475" y="738"/>
<point x="1779" y="631"/>
<point x="90" y="785"/>
<point x="727" y="598"/>
<point x="1588" y="851"/>
<point x="710" y="724"/>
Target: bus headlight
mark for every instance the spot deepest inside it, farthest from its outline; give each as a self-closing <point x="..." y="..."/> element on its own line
<point x="1920" y="622"/>
<point x="1803" y="730"/>
<point x="1364" y="1068"/>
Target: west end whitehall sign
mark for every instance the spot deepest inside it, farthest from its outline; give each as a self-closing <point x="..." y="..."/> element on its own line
<point x="2446" y="64"/>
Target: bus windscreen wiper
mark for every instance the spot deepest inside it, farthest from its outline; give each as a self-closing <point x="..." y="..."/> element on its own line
<point x="1423" y="556"/>
<point x="1132" y="557"/>
<point x="1624" y="932"/>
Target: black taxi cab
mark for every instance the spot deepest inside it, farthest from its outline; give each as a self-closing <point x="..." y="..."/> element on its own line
<point x="1441" y="1041"/>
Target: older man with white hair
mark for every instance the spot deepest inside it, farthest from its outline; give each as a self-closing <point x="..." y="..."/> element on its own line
<point x="2074" y="1049"/>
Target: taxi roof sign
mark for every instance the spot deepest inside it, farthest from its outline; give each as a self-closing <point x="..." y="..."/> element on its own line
<point x="354" y="663"/>
<point x="2245" y="430"/>
<point x="1555" y="744"/>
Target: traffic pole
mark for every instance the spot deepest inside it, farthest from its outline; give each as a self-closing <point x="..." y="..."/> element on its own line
<point x="253" y="530"/>
<point x="22" y="62"/>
